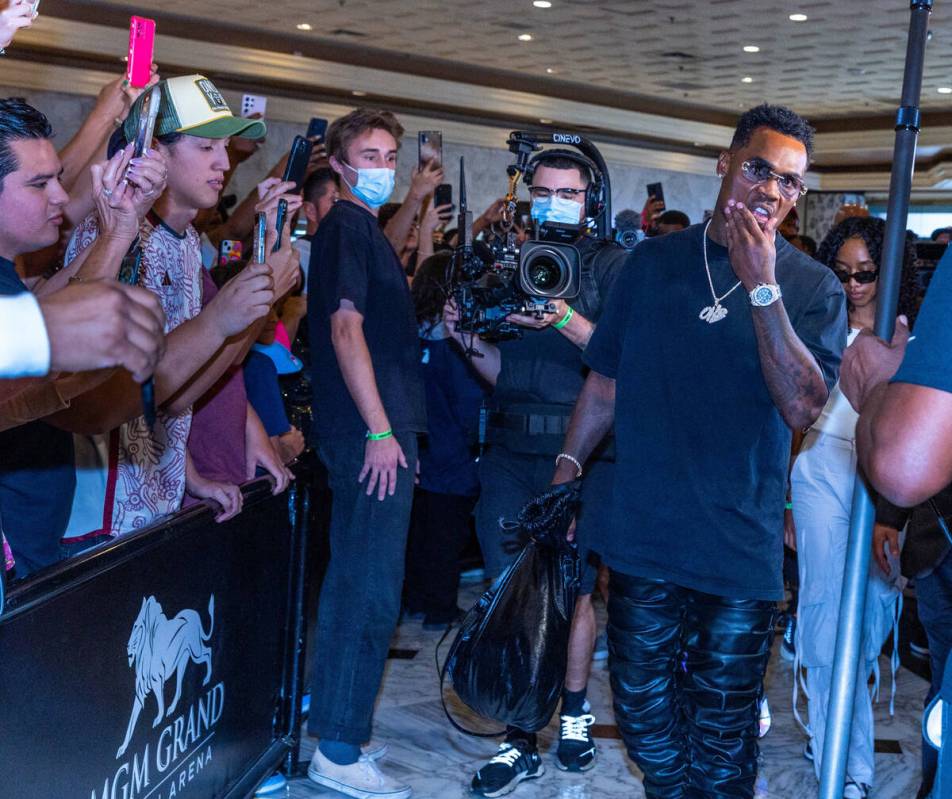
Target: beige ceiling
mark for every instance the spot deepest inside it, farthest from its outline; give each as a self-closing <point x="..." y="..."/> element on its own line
<point x="846" y="59"/>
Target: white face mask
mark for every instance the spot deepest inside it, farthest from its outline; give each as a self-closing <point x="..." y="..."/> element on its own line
<point x="555" y="209"/>
<point x="374" y="185"/>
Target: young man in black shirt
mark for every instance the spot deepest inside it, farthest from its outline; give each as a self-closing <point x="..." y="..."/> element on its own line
<point x="721" y="339"/>
<point x="536" y="379"/>
<point x="369" y="407"/>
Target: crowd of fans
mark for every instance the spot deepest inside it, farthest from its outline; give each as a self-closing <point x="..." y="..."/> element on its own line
<point x="361" y="294"/>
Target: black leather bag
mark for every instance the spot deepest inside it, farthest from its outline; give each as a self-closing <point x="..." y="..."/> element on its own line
<point x="508" y="660"/>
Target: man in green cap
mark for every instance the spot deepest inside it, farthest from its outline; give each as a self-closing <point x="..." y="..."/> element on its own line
<point x="146" y="477"/>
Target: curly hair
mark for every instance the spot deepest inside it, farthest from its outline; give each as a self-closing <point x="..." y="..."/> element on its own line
<point x="873" y="232"/>
<point x="775" y="117"/>
<point x="430" y="287"/>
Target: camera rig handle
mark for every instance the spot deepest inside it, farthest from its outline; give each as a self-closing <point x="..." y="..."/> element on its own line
<point x="523" y="143"/>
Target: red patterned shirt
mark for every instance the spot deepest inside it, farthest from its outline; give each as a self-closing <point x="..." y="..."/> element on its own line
<point x="131" y="477"/>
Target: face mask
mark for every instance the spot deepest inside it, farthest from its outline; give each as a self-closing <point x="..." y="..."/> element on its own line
<point x="555" y="209"/>
<point x="374" y="186"/>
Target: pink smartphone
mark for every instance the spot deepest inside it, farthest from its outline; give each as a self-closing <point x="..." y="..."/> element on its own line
<point x="141" y="50"/>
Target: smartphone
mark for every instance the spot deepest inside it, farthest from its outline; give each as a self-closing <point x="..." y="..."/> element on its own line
<point x="148" y="115"/>
<point x="261" y="237"/>
<point x="523" y="213"/>
<point x="443" y="195"/>
<point x="141" y="50"/>
<point x="297" y="162"/>
<point x="316" y="128"/>
<point x="431" y="146"/>
<point x="656" y="191"/>
<point x="253" y="104"/>
<point x="229" y="251"/>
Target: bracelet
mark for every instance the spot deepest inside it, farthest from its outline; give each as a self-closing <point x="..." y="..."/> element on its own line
<point x="565" y="456"/>
<point x="565" y="319"/>
<point x="379" y="436"/>
<point x="788" y="506"/>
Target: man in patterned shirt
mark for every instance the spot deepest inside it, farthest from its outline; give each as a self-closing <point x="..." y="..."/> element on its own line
<point x="131" y="476"/>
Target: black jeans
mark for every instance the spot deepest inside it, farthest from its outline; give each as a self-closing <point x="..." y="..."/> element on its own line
<point x="686" y="672"/>
<point x="439" y="531"/>
<point x="360" y="597"/>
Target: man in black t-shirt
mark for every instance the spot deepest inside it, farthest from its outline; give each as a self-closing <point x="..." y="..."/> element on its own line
<point x="369" y="407"/>
<point x="536" y="379"/>
<point x="721" y="339"/>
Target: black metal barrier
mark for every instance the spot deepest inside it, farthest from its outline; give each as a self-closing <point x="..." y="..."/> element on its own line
<point x="164" y="664"/>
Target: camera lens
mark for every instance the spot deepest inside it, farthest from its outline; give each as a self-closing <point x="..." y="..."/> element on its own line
<point x="545" y="274"/>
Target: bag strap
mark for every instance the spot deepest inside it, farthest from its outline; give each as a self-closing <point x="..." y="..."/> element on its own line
<point x="941" y="520"/>
<point x="442" y="672"/>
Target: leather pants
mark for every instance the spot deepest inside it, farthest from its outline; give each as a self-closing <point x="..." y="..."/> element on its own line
<point x="687" y="674"/>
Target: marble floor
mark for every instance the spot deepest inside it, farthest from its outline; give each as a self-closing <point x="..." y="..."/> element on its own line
<point x="426" y="752"/>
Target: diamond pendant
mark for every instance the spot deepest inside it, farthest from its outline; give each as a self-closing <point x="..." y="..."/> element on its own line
<point x="713" y="313"/>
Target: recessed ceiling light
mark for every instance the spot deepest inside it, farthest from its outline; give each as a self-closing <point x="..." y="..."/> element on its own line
<point x="945" y="90"/>
<point x="305" y="26"/>
<point x="545" y="121"/>
<point x="525" y="37"/>
<point x="798" y="17"/>
<point x="549" y="71"/>
<point x="751" y="48"/>
<point x="747" y="79"/>
<point x="542" y="3"/>
<point x="358" y="93"/>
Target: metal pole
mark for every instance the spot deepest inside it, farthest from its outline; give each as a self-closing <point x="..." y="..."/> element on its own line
<point x="853" y="600"/>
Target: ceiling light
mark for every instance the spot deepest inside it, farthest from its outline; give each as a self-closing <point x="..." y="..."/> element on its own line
<point x="525" y="37"/>
<point x="747" y="79"/>
<point x="358" y="93"/>
<point x="798" y="17"/>
<point x="944" y="90"/>
<point x="542" y="3"/>
<point x="549" y="71"/>
<point x="751" y="48"/>
<point x="305" y="26"/>
<point x="545" y="121"/>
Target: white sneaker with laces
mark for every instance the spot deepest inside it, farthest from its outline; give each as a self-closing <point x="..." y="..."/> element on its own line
<point x="361" y="780"/>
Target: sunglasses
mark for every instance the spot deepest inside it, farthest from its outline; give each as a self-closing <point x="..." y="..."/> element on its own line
<point x="860" y="277"/>
<point x="756" y="170"/>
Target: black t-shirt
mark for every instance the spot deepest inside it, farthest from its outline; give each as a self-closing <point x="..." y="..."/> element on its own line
<point x="544" y="367"/>
<point x="351" y="259"/>
<point x="37" y="478"/>
<point x="701" y="449"/>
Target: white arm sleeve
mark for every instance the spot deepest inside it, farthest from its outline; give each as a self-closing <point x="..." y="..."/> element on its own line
<point x="24" y="343"/>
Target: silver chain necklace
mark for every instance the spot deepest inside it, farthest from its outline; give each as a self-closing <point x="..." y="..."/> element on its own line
<point x="716" y="312"/>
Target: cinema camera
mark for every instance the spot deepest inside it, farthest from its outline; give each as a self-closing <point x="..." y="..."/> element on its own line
<point x="497" y="278"/>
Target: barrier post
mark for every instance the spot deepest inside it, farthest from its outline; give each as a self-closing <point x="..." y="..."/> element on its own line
<point x="853" y="600"/>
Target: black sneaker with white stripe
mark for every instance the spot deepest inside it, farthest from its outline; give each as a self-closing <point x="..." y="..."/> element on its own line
<point x="576" y="748"/>
<point x="514" y="762"/>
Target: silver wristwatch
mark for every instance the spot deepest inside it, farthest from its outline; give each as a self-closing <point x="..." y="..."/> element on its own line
<point x="765" y="294"/>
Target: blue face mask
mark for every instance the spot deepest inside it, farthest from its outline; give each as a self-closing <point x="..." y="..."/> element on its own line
<point x="374" y="186"/>
<point x="555" y="209"/>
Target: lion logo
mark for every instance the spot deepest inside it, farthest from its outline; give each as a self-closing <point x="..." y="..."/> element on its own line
<point x="160" y="647"/>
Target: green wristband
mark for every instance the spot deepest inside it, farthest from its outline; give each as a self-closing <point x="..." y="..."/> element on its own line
<point x="789" y="506"/>
<point x="379" y="436"/>
<point x="565" y="319"/>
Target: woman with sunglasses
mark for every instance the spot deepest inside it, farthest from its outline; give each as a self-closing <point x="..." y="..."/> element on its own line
<point x="821" y="483"/>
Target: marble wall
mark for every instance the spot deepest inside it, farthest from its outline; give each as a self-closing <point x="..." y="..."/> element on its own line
<point x="486" y="167"/>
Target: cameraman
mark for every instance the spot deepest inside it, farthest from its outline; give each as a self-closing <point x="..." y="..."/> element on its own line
<point x="536" y="380"/>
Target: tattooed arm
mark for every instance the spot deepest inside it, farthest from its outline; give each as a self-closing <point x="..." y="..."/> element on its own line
<point x="792" y="374"/>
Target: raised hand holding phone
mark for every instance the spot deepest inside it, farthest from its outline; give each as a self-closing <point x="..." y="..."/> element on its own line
<point x="17" y="15"/>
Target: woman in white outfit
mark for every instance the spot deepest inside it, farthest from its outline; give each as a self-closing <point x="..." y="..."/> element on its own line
<point x="821" y="490"/>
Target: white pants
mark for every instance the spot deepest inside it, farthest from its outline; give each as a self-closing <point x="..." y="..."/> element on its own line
<point x="822" y="490"/>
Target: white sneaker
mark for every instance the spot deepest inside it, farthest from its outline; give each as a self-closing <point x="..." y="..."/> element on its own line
<point x="375" y="750"/>
<point x="362" y="780"/>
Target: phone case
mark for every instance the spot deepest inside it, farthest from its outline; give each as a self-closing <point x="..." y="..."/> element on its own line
<point x="297" y="162"/>
<point x="317" y="128"/>
<point x="141" y="50"/>
<point x="431" y="146"/>
<point x="253" y="104"/>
